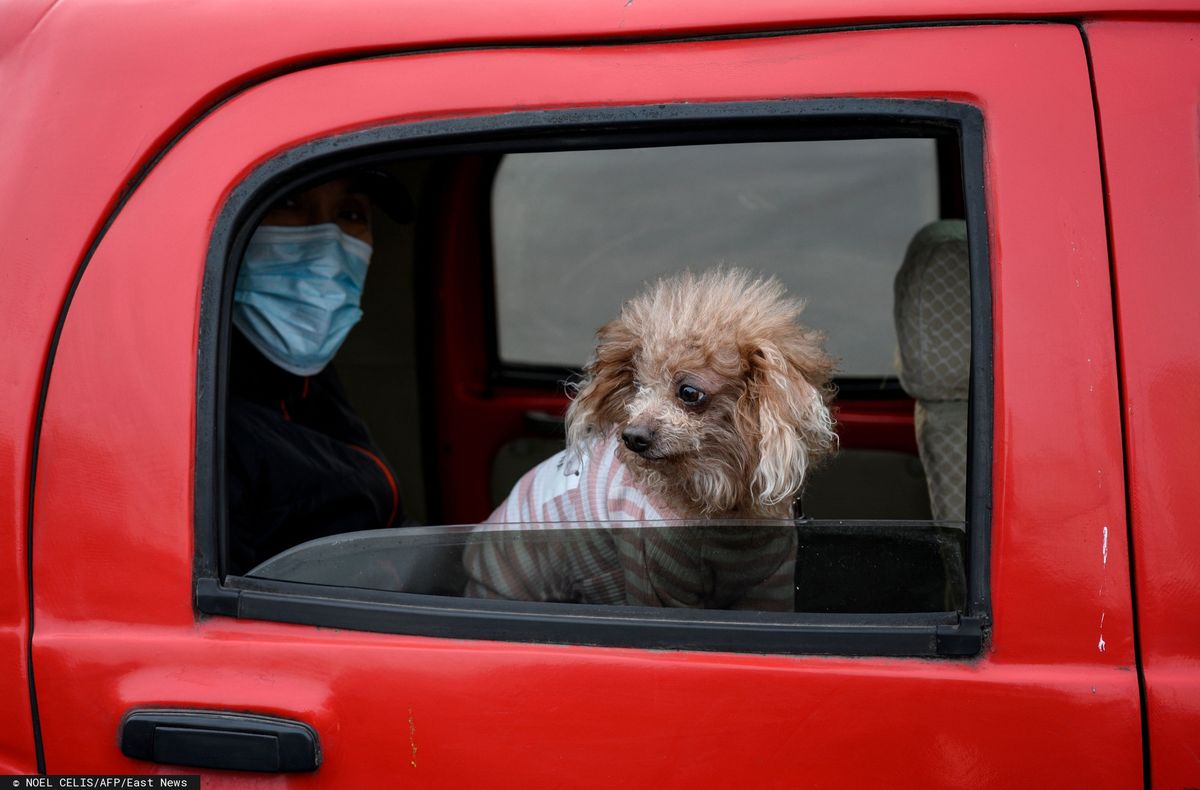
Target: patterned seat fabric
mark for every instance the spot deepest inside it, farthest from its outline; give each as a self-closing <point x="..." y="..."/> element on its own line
<point x="933" y="325"/>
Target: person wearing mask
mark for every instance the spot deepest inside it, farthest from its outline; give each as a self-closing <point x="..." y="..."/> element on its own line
<point x="300" y="463"/>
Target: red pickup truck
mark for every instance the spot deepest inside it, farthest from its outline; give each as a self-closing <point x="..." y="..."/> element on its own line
<point x="998" y="577"/>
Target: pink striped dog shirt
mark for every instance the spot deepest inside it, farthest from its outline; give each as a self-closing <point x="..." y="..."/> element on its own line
<point x="590" y="535"/>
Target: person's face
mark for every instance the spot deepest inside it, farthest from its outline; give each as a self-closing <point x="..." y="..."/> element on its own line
<point x="333" y="202"/>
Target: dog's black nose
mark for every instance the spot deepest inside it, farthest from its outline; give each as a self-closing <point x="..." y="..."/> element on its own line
<point x="637" y="438"/>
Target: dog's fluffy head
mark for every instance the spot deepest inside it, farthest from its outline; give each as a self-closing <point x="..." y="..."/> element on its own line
<point x="719" y="395"/>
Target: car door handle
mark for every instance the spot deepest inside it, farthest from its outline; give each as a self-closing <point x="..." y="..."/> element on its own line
<point x="220" y="739"/>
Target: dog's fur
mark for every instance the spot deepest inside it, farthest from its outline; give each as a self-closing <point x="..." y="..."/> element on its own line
<point x="742" y="450"/>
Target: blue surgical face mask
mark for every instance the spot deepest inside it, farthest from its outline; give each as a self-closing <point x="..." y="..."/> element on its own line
<point x="298" y="292"/>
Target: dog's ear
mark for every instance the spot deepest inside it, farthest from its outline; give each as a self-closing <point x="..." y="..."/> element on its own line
<point x="607" y="387"/>
<point x="785" y="407"/>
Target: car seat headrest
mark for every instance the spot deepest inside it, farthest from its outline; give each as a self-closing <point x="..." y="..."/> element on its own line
<point x="933" y="313"/>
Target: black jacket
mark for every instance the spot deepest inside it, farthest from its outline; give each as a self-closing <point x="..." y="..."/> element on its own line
<point x="300" y="463"/>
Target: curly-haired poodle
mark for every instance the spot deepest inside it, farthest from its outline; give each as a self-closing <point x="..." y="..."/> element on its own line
<point x="705" y="399"/>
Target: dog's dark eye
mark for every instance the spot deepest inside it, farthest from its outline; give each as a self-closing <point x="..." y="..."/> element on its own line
<point x="690" y="395"/>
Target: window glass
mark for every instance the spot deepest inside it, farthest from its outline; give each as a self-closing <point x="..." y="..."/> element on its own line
<point x="769" y="566"/>
<point x="577" y="232"/>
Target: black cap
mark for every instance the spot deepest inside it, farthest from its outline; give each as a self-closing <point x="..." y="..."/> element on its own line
<point x="386" y="192"/>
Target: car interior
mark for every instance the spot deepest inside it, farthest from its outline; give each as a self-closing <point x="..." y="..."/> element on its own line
<point x="479" y="312"/>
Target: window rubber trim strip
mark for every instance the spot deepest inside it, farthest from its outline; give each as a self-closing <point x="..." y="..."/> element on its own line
<point x="925" y="634"/>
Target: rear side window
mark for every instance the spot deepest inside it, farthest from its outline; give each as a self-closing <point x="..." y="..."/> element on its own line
<point x="830" y="218"/>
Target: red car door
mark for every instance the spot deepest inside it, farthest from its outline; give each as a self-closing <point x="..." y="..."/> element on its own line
<point x="131" y="615"/>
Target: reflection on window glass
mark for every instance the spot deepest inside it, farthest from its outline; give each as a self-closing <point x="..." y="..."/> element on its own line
<point x="830" y="218"/>
<point x="747" y="565"/>
<point x="715" y="566"/>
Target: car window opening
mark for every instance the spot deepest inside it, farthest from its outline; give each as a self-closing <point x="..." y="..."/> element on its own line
<point x="406" y="339"/>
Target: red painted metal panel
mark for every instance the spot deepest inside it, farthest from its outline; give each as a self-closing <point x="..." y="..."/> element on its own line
<point x="1148" y="88"/>
<point x="91" y="90"/>
<point x="445" y="713"/>
<point x="113" y="537"/>
<point x="16" y="740"/>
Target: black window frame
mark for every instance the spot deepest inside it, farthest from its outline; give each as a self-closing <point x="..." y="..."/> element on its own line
<point x="961" y="634"/>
